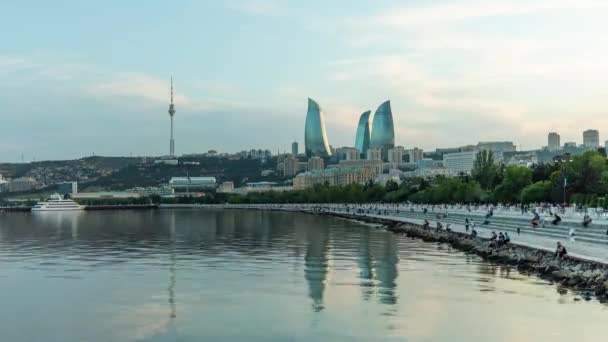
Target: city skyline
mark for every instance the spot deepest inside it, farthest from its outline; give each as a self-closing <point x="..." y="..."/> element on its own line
<point x="457" y="72"/>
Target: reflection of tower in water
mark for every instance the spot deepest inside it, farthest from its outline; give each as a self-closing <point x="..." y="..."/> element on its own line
<point x="366" y="270"/>
<point x="172" y="258"/>
<point x="386" y="268"/>
<point x="316" y="265"/>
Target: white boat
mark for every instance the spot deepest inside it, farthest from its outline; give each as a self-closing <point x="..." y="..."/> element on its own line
<point x="56" y="203"/>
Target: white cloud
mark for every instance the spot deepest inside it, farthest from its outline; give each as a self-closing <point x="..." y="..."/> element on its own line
<point x="416" y="16"/>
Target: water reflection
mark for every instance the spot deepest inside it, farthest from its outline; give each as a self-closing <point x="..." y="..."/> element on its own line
<point x="202" y="273"/>
<point x="316" y="264"/>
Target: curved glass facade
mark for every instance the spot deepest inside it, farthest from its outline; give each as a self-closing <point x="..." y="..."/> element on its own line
<point x="383" y="130"/>
<point x="315" y="137"/>
<point x="363" y="134"/>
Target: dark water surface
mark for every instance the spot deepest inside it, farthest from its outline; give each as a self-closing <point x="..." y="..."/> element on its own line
<point x="203" y="275"/>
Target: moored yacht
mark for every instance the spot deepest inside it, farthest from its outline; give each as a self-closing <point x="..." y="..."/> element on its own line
<point x="56" y="203"/>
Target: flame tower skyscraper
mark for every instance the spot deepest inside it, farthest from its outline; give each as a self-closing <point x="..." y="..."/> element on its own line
<point x="171" y="114"/>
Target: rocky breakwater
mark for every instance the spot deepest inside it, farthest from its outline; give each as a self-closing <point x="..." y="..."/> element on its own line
<point x="588" y="278"/>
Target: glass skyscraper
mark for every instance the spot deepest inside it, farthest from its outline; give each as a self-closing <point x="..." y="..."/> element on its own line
<point x="383" y="130"/>
<point x="363" y="134"/>
<point x="315" y="137"/>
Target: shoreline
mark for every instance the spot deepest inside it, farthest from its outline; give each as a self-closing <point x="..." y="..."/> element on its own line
<point x="587" y="278"/>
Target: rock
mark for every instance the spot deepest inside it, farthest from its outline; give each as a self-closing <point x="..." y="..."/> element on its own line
<point x="573" y="281"/>
<point x="577" y="268"/>
<point x="531" y="259"/>
<point x="588" y="274"/>
<point x="606" y="285"/>
<point x="559" y="275"/>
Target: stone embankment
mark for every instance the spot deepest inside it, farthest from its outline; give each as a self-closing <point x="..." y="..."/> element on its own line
<point x="586" y="277"/>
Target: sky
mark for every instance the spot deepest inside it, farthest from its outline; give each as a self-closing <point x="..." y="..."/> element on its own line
<point x="79" y="78"/>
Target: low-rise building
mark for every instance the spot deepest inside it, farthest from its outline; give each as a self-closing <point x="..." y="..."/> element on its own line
<point x="163" y="191"/>
<point x="192" y="183"/>
<point x="332" y="177"/>
<point x="376" y="167"/>
<point x="226" y="187"/>
<point x="457" y="163"/>
<point x="22" y="184"/>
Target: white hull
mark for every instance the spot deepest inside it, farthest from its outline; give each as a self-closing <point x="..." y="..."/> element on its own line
<point x="56" y="203"/>
<point x="58" y="209"/>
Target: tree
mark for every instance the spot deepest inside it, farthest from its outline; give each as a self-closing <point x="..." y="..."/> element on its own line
<point x="515" y="179"/>
<point x="537" y="192"/>
<point x="485" y="171"/>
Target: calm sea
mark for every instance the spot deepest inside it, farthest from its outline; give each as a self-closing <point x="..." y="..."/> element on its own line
<point x="206" y="275"/>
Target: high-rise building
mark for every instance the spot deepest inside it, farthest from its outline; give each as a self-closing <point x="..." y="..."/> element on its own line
<point x="294" y="148"/>
<point x="415" y="154"/>
<point x="290" y="166"/>
<point x="591" y="138"/>
<point x="383" y="130"/>
<point x="553" y="141"/>
<point x="363" y="134"/>
<point x="315" y="163"/>
<point x="374" y="154"/>
<point x="347" y="153"/>
<point x="315" y="137"/>
<point x="395" y="155"/>
<point x="171" y="114"/>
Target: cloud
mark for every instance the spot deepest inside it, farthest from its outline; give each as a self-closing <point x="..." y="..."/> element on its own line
<point x="417" y="16"/>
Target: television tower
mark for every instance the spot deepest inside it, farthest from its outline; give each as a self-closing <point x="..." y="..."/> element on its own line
<point x="171" y="114"/>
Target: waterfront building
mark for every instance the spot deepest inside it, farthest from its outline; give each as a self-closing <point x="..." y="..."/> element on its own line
<point x="461" y="162"/>
<point x="332" y="177"/>
<point x="22" y="184"/>
<point x="347" y="153"/>
<point x="226" y="187"/>
<point x="383" y="130"/>
<point x="294" y="148"/>
<point x="163" y="191"/>
<point x="315" y="163"/>
<point x="374" y="154"/>
<point x="553" y="141"/>
<point x="315" y="136"/>
<point x="192" y="183"/>
<point x="362" y="138"/>
<point x="591" y="138"/>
